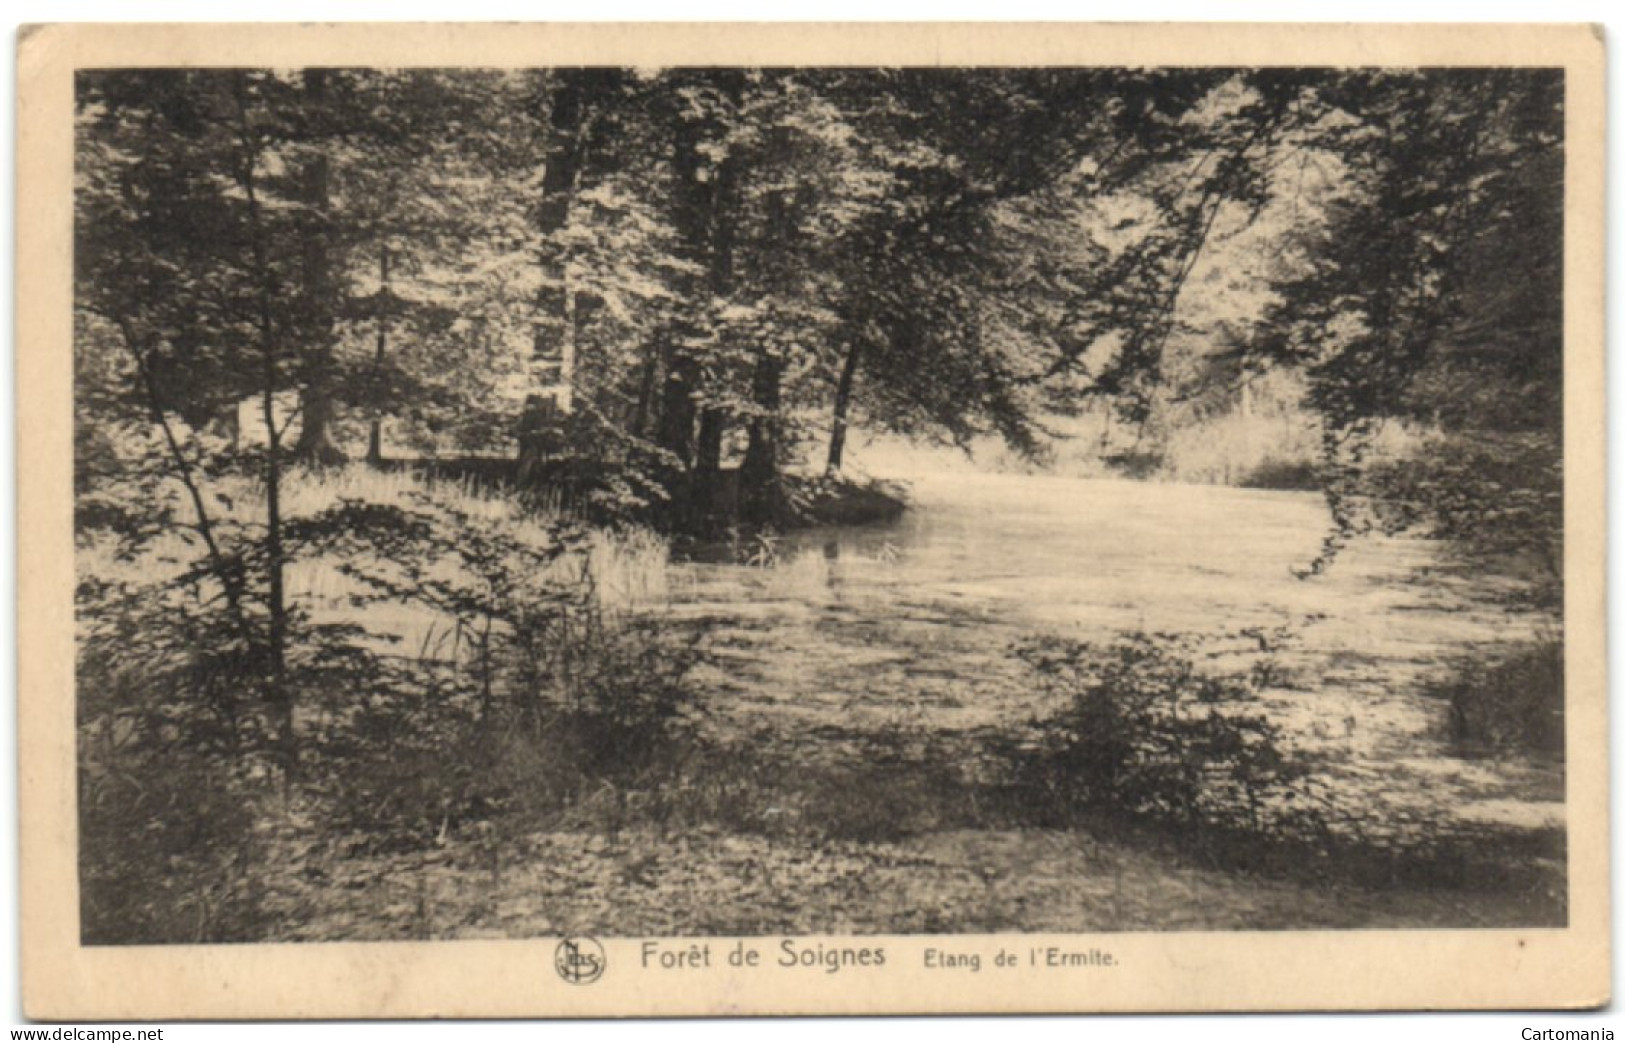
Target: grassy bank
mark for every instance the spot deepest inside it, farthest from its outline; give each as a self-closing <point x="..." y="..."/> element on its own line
<point x="577" y="486"/>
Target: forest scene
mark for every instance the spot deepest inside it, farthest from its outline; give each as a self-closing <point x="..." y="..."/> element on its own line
<point x="682" y="501"/>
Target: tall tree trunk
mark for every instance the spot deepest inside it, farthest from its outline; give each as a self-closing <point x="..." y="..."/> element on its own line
<point x="704" y="213"/>
<point x="317" y="414"/>
<point x="760" y="497"/>
<point x="708" y="443"/>
<point x="375" y="432"/>
<point x="677" y="410"/>
<point x="710" y="509"/>
<point x="689" y="216"/>
<point x="843" y="404"/>
<point x="318" y="404"/>
<point x="553" y="345"/>
<point x="722" y="214"/>
<point x="644" y="407"/>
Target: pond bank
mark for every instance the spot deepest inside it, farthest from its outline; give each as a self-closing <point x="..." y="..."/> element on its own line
<point x="806" y="501"/>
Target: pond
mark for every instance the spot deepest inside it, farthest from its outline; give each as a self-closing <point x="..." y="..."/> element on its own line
<point x="834" y="634"/>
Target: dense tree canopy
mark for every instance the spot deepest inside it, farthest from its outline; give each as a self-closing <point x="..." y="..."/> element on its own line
<point x="664" y="274"/>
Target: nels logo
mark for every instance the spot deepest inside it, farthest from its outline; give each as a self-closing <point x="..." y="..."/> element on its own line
<point x="579" y="961"/>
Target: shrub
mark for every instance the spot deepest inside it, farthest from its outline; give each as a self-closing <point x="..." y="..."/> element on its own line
<point x="1135" y="463"/>
<point x="543" y="693"/>
<point x="608" y="694"/>
<point x="166" y="842"/>
<point x="842" y="501"/>
<point x="1276" y="473"/>
<point x="583" y="703"/>
<point x="1516" y="702"/>
<point x="1144" y="734"/>
<point x="1496" y="499"/>
<point x="171" y="751"/>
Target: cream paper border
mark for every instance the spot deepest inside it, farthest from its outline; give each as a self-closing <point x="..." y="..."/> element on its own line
<point x="1427" y="969"/>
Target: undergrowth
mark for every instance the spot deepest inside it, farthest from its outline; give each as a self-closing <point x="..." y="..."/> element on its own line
<point x="455" y="665"/>
<point x="1515" y="702"/>
<point x="1146" y="735"/>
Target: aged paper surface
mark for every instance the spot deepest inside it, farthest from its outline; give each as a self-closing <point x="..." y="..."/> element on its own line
<point x="998" y="957"/>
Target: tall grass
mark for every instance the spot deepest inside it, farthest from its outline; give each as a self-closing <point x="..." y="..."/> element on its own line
<point x="621" y="574"/>
<point x="627" y="568"/>
<point x="624" y="569"/>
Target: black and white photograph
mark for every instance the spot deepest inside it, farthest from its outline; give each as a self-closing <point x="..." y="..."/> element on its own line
<point x="795" y="501"/>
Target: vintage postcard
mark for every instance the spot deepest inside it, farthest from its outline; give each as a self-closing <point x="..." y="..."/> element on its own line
<point x="540" y="520"/>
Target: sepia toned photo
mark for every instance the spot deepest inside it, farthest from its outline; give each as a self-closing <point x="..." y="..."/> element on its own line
<point x="749" y="523"/>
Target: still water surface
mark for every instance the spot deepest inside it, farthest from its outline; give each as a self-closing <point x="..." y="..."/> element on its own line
<point x="837" y="632"/>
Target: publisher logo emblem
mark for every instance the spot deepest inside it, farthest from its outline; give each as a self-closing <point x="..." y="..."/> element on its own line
<point x="579" y="961"/>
